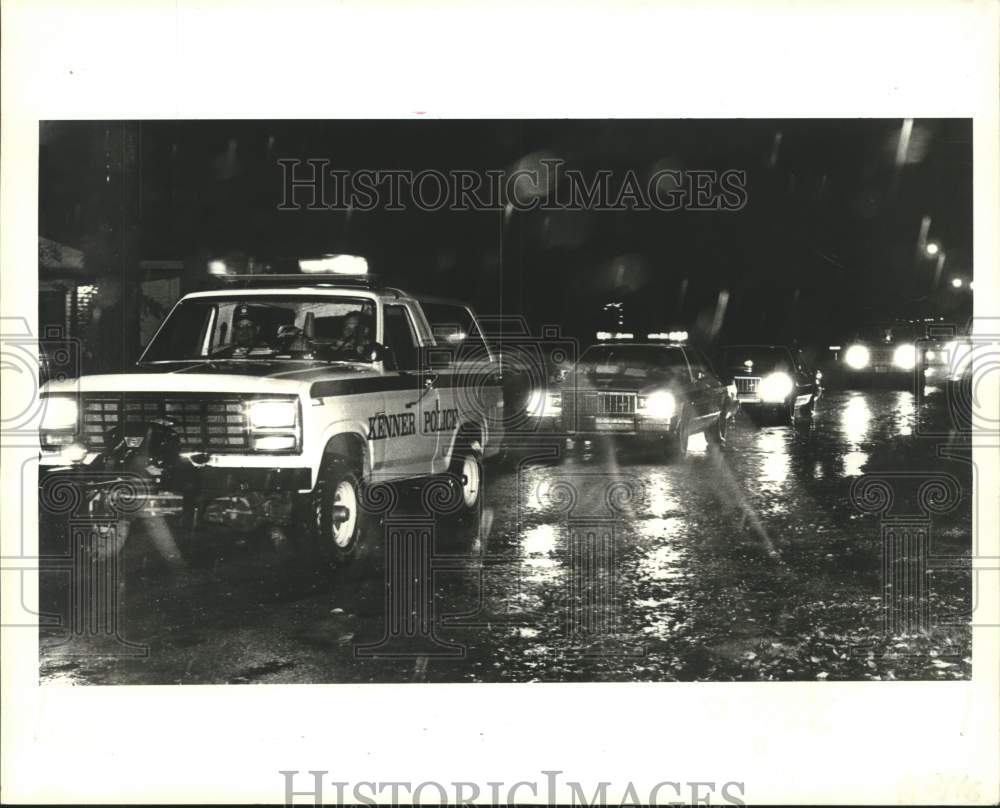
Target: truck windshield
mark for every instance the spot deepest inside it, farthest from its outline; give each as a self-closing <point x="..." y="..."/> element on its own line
<point x="255" y="327"/>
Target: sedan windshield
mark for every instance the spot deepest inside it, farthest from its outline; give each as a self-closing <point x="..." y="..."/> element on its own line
<point x="757" y="360"/>
<point x="255" y="327"/>
<point x="640" y="361"/>
<point x="891" y="332"/>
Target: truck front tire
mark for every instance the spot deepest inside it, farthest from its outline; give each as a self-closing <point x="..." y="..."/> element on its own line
<point x="466" y="475"/>
<point x="335" y="524"/>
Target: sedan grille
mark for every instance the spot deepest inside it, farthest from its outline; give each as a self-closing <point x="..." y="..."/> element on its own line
<point x="202" y="424"/>
<point x="607" y="403"/>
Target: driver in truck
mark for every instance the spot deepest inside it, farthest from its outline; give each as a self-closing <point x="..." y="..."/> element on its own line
<point x="245" y="335"/>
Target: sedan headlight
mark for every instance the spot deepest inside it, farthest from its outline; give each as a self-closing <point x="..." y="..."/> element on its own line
<point x="273" y="414"/>
<point x="776" y="387"/>
<point x="536" y="403"/>
<point x="543" y="404"/>
<point x="660" y="405"/>
<point x="60" y="414"/>
<point x="905" y="357"/>
<point x="857" y="357"/>
<point x="59" y="421"/>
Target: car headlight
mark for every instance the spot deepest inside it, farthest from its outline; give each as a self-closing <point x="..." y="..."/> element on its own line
<point x="857" y="357"/>
<point x="542" y="403"/>
<point x="60" y="413"/>
<point x="59" y="421"/>
<point x="775" y="387"/>
<point x="661" y="405"/>
<point x="273" y="414"/>
<point x="536" y="403"/>
<point x="905" y="357"/>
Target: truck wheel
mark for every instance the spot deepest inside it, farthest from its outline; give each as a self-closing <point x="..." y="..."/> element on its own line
<point x="466" y="474"/>
<point x="677" y="441"/>
<point x="335" y="521"/>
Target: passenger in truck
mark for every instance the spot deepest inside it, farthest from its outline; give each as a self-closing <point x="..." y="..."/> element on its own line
<point x="355" y="336"/>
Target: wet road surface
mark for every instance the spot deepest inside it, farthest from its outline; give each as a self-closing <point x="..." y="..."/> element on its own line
<point x="609" y="564"/>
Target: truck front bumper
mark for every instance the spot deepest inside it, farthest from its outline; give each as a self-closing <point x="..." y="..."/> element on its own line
<point x="185" y="477"/>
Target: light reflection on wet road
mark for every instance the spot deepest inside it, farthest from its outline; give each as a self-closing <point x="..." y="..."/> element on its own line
<point x="609" y="565"/>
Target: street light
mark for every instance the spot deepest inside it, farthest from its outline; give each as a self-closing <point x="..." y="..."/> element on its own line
<point x="932" y="248"/>
<point x="956" y="282"/>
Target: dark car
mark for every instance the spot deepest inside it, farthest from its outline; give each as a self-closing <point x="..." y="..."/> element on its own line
<point x="770" y="379"/>
<point x="653" y="391"/>
<point x="886" y="353"/>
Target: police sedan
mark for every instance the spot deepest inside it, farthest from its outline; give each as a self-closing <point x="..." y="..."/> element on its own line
<point x="658" y="391"/>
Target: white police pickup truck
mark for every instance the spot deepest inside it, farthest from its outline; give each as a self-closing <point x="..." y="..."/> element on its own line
<point x="280" y="400"/>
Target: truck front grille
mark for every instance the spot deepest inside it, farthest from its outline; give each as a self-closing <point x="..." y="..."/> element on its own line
<point x="201" y="424"/>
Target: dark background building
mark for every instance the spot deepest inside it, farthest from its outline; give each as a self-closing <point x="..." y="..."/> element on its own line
<point x="837" y="214"/>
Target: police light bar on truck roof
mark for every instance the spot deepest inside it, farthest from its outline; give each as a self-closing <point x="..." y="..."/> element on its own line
<point x="310" y="281"/>
<point x="604" y="336"/>
<point x="328" y="264"/>
<point x="669" y="336"/>
<point x="334" y="265"/>
<point x="327" y="270"/>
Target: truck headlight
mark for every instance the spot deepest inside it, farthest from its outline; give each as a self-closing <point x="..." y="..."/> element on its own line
<point x="59" y="421"/>
<point x="274" y="443"/>
<point x="905" y="357"/>
<point x="273" y="414"/>
<point x="660" y="405"/>
<point x="275" y="425"/>
<point x="775" y="387"/>
<point x="857" y="357"/>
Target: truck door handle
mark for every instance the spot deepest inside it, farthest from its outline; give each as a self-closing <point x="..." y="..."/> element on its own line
<point x="429" y="381"/>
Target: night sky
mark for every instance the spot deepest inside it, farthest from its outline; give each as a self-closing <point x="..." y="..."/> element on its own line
<point x="827" y="239"/>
